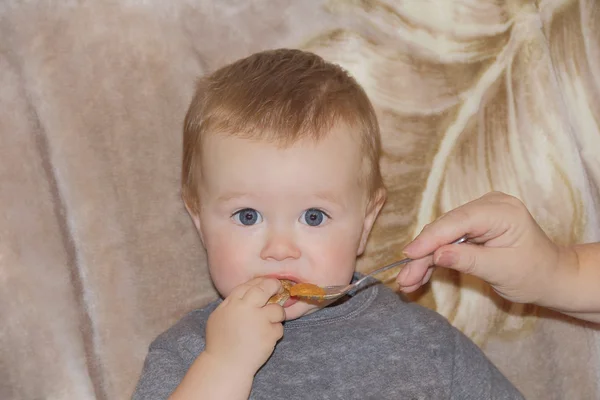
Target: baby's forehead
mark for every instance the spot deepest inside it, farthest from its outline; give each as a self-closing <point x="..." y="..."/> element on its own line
<point x="333" y="157"/>
<point x="338" y="135"/>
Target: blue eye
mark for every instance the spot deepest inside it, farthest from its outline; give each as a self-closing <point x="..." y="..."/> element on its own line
<point x="247" y="217"/>
<point x="313" y="217"/>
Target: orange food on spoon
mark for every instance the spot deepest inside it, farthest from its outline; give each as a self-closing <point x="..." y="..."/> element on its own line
<point x="306" y="290"/>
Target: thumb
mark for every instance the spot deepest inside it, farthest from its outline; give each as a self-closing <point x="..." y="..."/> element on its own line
<point x="483" y="262"/>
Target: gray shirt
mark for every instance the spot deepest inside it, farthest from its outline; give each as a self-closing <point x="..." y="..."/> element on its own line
<point x="374" y="345"/>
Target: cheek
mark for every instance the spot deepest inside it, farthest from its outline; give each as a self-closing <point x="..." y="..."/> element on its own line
<point x="335" y="258"/>
<point x="228" y="261"/>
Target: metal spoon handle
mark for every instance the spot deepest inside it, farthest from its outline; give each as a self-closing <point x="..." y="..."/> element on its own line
<point x="397" y="263"/>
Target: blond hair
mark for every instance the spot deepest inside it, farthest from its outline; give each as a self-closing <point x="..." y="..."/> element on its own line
<point x="280" y="96"/>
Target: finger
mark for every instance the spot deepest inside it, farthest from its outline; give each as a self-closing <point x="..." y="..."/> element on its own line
<point x="410" y="289"/>
<point x="427" y="275"/>
<point x="239" y="291"/>
<point x="277" y="331"/>
<point x="414" y="272"/>
<point x="471" y="219"/>
<point x="275" y="313"/>
<point x="422" y="282"/>
<point x="487" y="263"/>
<point x="258" y="295"/>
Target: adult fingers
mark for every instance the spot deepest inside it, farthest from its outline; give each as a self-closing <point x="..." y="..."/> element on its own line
<point x="414" y="272"/>
<point x="487" y="263"/>
<point x="481" y="220"/>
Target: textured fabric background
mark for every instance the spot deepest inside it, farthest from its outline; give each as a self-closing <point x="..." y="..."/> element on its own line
<point x="97" y="254"/>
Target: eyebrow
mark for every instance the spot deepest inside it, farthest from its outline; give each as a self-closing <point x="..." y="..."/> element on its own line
<point x="231" y="196"/>
<point x="329" y="197"/>
<point x="326" y="196"/>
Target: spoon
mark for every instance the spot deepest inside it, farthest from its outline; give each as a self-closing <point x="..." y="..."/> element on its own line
<point x="329" y="293"/>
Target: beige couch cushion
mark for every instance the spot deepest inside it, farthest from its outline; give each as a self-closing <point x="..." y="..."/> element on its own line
<point x="97" y="255"/>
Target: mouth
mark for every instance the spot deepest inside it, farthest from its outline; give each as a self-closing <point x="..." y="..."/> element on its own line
<point x="291" y="278"/>
<point x="290" y="302"/>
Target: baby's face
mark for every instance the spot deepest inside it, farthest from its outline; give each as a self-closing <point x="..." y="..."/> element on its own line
<point x="298" y="213"/>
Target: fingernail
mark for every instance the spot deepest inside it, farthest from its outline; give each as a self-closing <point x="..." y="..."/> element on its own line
<point x="407" y="249"/>
<point x="446" y="259"/>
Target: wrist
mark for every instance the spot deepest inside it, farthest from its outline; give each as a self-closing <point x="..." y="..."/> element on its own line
<point x="561" y="293"/>
<point x="232" y="366"/>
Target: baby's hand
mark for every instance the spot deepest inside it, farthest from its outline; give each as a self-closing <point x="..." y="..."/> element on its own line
<point x="512" y="253"/>
<point x="242" y="331"/>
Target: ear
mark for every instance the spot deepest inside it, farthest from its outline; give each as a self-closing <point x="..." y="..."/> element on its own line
<point x="196" y="219"/>
<point x="373" y="208"/>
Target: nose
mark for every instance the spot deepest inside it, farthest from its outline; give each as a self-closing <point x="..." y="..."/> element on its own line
<point x="279" y="247"/>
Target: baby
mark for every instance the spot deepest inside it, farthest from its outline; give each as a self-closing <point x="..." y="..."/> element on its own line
<point x="281" y="178"/>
